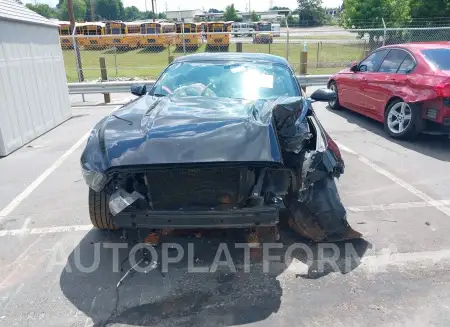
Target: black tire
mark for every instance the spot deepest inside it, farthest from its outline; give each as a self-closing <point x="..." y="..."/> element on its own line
<point x="334" y="105"/>
<point x="99" y="210"/>
<point x="413" y="127"/>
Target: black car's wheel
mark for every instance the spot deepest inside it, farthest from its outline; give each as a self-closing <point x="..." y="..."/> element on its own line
<point x="99" y="210"/>
<point x="400" y="119"/>
<point x="334" y="104"/>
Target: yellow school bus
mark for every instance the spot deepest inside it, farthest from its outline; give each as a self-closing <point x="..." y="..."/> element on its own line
<point x="115" y="33"/>
<point x="94" y="35"/>
<point x="118" y="35"/>
<point x="157" y="34"/>
<point x="215" y="42"/>
<point x="192" y="36"/>
<point x="263" y="32"/>
<point x="64" y="33"/>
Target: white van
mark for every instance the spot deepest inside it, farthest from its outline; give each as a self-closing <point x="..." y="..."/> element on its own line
<point x="275" y="29"/>
<point x="241" y="29"/>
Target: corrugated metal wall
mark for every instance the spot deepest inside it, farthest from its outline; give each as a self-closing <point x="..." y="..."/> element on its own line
<point x="33" y="89"/>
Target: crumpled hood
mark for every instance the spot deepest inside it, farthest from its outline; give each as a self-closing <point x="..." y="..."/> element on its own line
<point x="171" y="130"/>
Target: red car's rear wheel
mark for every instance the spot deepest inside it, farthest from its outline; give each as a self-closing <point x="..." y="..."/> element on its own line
<point x="400" y="119"/>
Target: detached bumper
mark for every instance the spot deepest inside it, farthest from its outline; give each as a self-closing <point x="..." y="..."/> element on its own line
<point x="241" y="218"/>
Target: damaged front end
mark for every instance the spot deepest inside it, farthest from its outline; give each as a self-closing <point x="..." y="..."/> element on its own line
<point x="221" y="171"/>
<point x="199" y="196"/>
<point x="315" y="209"/>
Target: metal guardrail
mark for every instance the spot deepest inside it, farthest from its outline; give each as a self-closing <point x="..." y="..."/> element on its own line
<point x="124" y="87"/>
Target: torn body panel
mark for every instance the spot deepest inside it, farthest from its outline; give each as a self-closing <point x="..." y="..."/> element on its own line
<point x="198" y="163"/>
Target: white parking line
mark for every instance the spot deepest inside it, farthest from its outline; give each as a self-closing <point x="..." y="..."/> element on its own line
<point x="354" y="209"/>
<point x="398" y="181"/>
<point x="38" y="181"/>
<point x="399" y="206"/>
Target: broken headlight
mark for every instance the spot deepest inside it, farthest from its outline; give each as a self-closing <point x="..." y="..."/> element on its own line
<point x="94" y="180"/>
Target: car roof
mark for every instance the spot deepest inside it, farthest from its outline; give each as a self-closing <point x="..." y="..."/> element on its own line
<point x="234" y="56"/>
<point x="417" y="46"/>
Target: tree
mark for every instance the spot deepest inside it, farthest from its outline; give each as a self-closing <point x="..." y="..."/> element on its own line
<point x="79" y="10"/>
<point x="110" y="9"/>
<point x="230" y="14"/>
<point x="254" y="17"/>
<point x="311" y="12"/>
<point x="214" y="11"/>
<point x="132" y="13"/>
<point x="369" y="14"/>
<point x="424" y="13"/>
<point x="43" y="10"/>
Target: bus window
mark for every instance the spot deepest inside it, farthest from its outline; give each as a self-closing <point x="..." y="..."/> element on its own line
<point x="115" y="31"/>
<point x="133" y="29"/>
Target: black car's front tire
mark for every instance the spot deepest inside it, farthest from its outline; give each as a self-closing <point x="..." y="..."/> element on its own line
<point x="99" y="210"/>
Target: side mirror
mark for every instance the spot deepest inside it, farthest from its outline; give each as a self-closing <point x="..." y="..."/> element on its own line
<point x="323" y="95"/>
<point x="362" y="68"/>
<point x="354" y="68"/>
<point x="138" y="90"/>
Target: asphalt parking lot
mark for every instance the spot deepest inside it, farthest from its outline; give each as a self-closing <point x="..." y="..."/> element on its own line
<point x="397" y="194"/>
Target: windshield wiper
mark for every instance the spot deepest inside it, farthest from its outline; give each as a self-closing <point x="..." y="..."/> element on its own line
<point x="159" y="95"/>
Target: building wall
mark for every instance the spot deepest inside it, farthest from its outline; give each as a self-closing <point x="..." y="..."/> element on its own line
<point x="33" y="87"/>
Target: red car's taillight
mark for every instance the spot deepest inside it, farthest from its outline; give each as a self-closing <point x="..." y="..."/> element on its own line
<point x="443" y="89"/>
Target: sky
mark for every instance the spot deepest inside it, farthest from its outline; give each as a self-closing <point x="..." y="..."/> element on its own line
<point x="206" y="4"/>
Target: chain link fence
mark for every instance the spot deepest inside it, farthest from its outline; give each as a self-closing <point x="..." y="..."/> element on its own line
<point x="311" y="51"/>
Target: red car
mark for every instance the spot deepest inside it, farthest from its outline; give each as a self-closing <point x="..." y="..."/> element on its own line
<point x="405" y="86"/>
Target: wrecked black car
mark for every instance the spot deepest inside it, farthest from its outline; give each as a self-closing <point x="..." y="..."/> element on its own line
<point x="219" y="141"/>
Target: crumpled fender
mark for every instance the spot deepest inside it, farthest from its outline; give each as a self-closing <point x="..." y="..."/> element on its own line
<point x="316" y="210"/>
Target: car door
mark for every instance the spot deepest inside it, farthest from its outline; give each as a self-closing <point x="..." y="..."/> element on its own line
<point x="351" y="85"/>
<point x="388" y="81"/>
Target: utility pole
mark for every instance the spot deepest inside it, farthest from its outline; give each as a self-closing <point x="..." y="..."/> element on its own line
<point x="92" y="11"/>
<point x="153" y="11"/>
<point x="75" y="41"/>
<point x="146" y="10"/>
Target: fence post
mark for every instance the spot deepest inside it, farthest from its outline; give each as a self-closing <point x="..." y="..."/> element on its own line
<point x="287" y="40"/>
<point x="184" y="40"/>
<point x="317" y="55"/>
<point x="239" y="47"/>
<point x="104" y="74"/>
<point x="115" y="60"/>
<point x="384" y="34"/>
<point x="304" y="62"/>
<point x="77" y="58"/>
<point x="170" y="59"/>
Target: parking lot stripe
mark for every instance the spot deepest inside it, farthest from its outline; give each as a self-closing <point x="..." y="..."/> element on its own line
<point x="398" y="181"/>
<point x="38" y="181"/>
<point x="45" y="230"/>
<point x="399" y="206"/>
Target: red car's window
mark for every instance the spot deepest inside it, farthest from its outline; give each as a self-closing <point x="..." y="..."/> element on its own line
<point x="407" y="65"/>
<point x="392" y="61"/>
<point x="372" y="62"/>
<point x="439" y="57"/>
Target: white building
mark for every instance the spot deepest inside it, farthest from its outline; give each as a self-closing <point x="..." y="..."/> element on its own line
<point x="184" y="15"/>
<point x="34" y="97"/>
